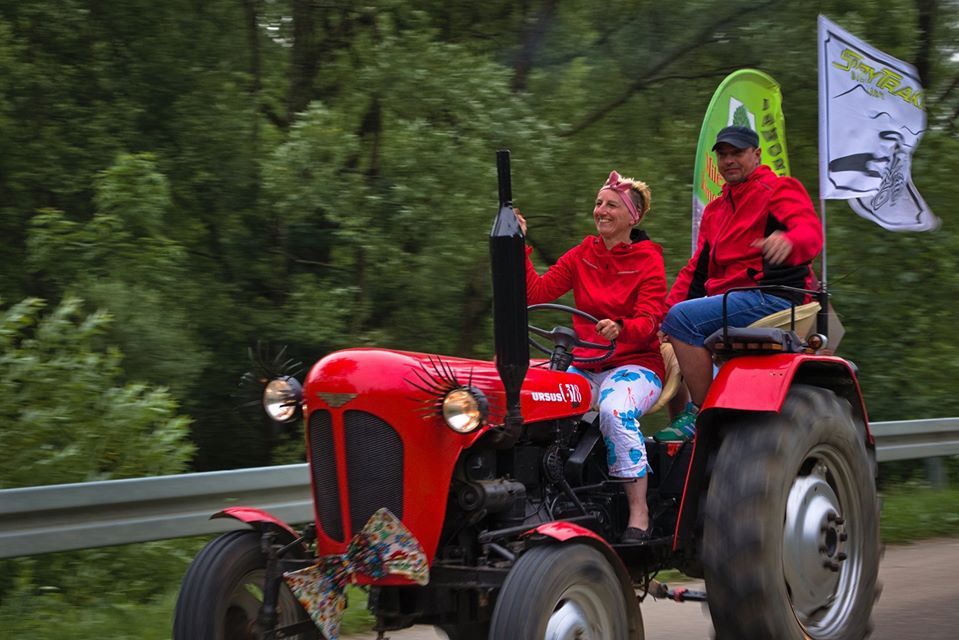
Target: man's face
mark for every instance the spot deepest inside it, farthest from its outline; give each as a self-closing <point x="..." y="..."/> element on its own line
<point x="736" y="164"/>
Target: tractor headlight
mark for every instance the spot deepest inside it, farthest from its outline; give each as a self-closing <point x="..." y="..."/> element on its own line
<point x="282" y="398"/>
<point x="464" y="409"/>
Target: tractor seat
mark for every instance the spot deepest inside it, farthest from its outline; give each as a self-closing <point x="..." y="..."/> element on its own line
<point x="736" y="341"/>
<point x="805" y="319"/>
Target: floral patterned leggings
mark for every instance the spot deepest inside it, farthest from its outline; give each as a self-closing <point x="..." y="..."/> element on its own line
<point x="623" y="395"/>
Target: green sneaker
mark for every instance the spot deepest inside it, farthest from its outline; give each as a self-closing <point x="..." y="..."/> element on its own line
<point x="682" y="428"/>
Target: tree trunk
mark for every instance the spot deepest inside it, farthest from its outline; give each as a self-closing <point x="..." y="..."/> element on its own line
<point x="477" y="305"/>
<point x="304" y="61"/>
<point x="927" y="17"/>
<point x="251" y="13"/>
<point x="523" y="62"/>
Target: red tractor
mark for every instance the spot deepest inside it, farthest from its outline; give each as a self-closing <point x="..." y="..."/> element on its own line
<point x="498" y="471"/>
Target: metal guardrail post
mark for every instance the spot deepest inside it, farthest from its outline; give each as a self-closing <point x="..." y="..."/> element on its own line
<point x="936" y="473"/>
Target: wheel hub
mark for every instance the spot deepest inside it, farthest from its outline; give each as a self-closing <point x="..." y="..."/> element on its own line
<point x="568" y="623"/>
<point x="579" y="615"/>
<point x="813" y="542"/>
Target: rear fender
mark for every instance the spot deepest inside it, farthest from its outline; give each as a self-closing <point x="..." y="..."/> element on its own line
<point x="761" y="383"/>
<point x="260" y="520"/>
<point x="758" y="384"/>
<point x="560" y="532"/>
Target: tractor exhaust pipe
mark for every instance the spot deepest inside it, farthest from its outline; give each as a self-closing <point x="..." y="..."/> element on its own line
<point x="508" y="268"/>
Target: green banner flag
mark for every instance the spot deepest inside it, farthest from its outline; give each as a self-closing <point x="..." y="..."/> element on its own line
<point x="749" y="98"/>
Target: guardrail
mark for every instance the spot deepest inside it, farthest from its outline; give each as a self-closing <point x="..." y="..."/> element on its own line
<point x="65" y="517"/>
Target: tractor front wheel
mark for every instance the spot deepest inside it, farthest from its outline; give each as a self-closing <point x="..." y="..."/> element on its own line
<point x="223" y="589"/>
<point x="561" y="592"/>
<point x="791" y="541"/>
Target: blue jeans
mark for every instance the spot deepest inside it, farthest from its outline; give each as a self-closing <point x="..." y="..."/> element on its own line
<point x="692" y="321"/>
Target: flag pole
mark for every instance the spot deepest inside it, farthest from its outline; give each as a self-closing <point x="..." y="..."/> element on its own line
<point x="822" y="318"/>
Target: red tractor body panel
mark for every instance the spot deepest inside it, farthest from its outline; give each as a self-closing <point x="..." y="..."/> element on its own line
<point x="351" y="395"/>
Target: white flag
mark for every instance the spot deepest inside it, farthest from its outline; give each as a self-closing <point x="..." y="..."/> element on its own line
<point x="871" y="117"/>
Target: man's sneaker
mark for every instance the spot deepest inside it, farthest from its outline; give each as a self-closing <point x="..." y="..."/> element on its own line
<point x="683" y="426"/>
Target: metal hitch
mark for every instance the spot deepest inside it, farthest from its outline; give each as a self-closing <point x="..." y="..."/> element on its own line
<point x="661" y="591"/>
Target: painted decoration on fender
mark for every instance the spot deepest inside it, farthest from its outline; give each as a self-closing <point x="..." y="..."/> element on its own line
<point x="871" y="118"/>
<point x="749" y="98"/>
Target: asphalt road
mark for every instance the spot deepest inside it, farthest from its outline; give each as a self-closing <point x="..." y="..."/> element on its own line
<point x="919" y="601"/>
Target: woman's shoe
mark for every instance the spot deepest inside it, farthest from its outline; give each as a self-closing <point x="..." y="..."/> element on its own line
<point x="632" y="535"/>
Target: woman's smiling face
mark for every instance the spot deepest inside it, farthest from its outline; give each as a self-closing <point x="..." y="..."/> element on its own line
<point x="612" y="218"/>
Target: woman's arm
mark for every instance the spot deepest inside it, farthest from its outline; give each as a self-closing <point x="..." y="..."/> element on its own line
<point x="557" y="280"/>
<point x="650" y="307"/>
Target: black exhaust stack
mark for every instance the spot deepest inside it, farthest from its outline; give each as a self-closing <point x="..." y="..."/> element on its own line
<point x="508" y="267"/>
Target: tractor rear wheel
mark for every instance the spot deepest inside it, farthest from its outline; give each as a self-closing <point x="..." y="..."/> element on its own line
<point x="561" y="592"/>
<point x="791" y="542"/>
<point x="223" y="589"/>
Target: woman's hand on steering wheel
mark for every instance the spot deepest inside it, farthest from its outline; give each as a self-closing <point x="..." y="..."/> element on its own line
<point x="608" y="329"/>
<point x="565" y="339"/>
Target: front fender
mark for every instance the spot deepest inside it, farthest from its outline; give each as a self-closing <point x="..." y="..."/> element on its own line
<point x="258" y="518"/>
<point x="567" y="532"/>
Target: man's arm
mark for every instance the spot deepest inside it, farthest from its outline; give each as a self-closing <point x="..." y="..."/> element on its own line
<point x="802" y="240"/>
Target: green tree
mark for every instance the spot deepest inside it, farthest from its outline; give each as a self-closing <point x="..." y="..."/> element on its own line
<point x="124" y="261"/>
<point x="66" y="413"/>
<point x="68" y="417"/>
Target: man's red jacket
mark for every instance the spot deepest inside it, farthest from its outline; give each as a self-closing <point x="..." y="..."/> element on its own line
<point x="726" y="252"/>
<point x="626" y="283"/>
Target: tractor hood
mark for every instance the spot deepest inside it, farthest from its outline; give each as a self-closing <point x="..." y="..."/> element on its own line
<point x="394" y="384"/>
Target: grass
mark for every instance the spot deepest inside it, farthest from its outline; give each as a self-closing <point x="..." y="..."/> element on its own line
<point x="913" y="512"/>
<point x="356" y="619"/>
<point x="150" y="620"/>
<point x="910" y="512"/>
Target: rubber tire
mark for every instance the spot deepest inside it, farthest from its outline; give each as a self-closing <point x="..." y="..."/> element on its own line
<point x="759" y="459"/>
<point x="203" y="608"/>
<point x="536" y="586"/>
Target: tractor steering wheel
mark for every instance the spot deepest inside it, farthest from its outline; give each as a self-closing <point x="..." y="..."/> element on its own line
<point x="564" y="339"/>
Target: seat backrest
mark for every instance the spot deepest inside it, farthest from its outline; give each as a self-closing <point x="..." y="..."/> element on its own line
<point x="805" y="319"/>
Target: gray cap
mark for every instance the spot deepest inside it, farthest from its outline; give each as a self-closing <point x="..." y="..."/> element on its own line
<point x="739" y="137"/>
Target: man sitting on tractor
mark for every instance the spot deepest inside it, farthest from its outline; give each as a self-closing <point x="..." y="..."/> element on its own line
<point x="762" y="230"/>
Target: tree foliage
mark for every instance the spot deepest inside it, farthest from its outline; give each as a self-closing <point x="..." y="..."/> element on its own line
<point x="321" y="174"/>
<point x="67" y="417"/>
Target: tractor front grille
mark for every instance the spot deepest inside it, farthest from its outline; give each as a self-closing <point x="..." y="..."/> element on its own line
<point x="374" y="467"/>
<point x="326" y="490"/>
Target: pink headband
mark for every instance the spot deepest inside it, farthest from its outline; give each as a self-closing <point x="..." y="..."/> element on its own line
<point x="616" y="183"/>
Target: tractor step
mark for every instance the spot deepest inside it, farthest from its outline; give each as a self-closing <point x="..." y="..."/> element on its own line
<point x="663" y="541"/>
<point x="661" y="591"/>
